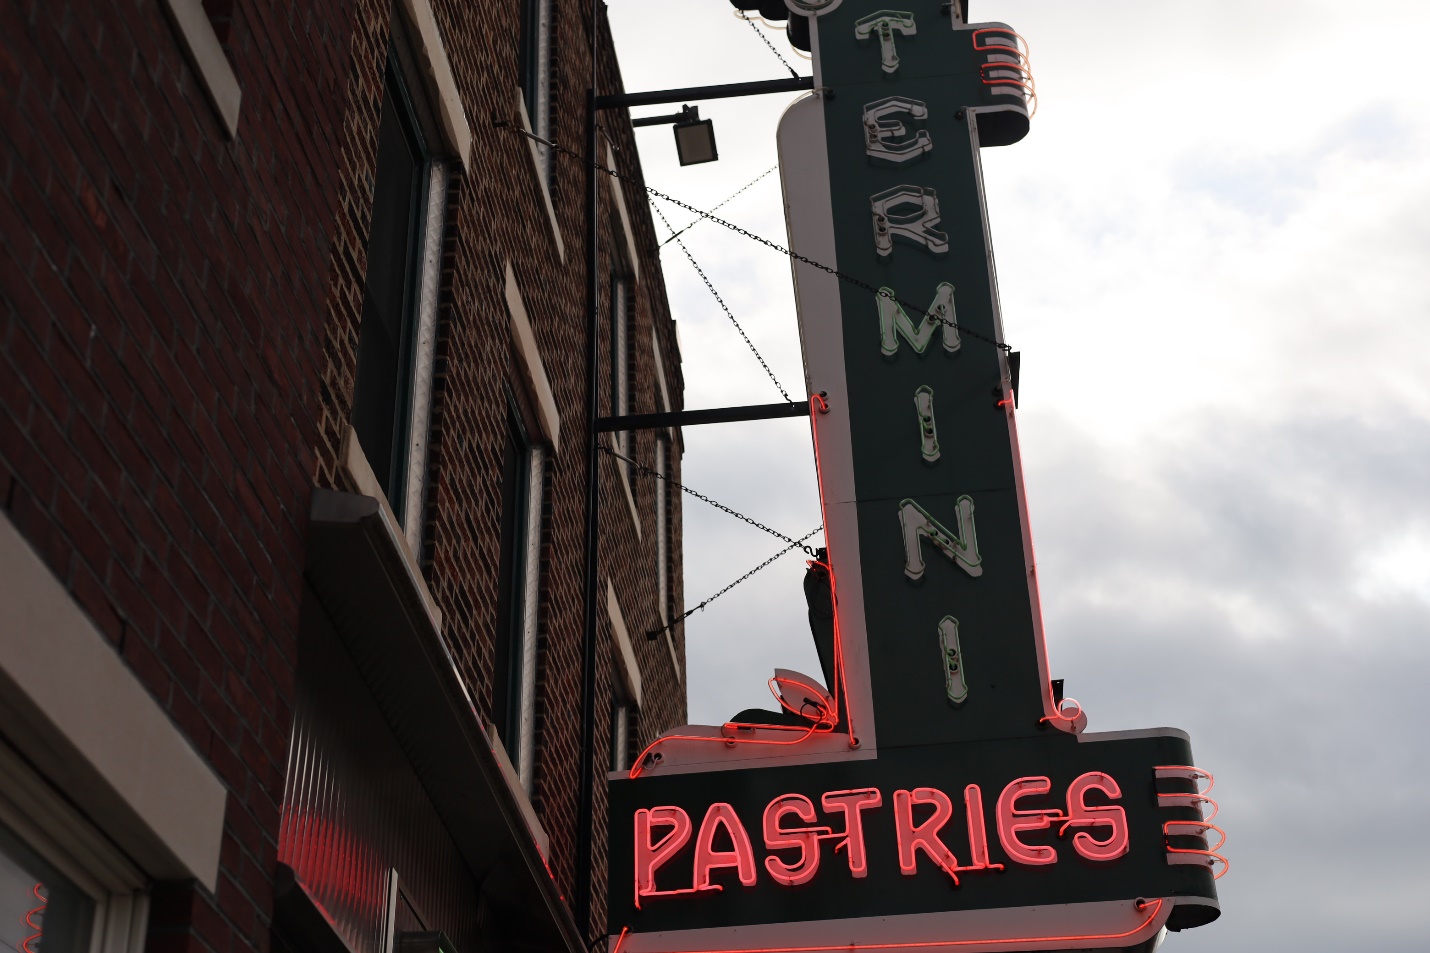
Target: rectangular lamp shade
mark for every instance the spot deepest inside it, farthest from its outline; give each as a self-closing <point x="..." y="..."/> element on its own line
<point x="695" y="142"/>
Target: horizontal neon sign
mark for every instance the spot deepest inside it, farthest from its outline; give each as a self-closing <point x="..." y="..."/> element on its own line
<point x="792" y="833"/>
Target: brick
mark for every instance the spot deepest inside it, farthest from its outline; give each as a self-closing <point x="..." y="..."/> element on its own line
<point x="202" y="300"/>
<point x="149" y="666"/>
<point x="90" y="593"/>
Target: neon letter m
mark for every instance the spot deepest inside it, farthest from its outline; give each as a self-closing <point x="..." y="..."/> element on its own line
<point x="894" y="320"/>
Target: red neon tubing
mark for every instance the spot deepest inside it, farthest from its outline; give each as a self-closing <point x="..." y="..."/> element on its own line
<point x="817" y="405"/>
<point x="1198" y="799"/>
<point x="933" y="944"/>
<point x="779" y="697"/>
<point x="30" y="920"/>
<point x="1167" y="830"/>
<point x="635" y="771"/>
<point x="1060" y="716"/>
<point x="1191" y="773"/>
<point x="1024" y="52"/>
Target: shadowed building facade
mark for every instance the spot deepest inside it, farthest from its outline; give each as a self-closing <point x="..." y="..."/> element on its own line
<point x="293" y="464"/>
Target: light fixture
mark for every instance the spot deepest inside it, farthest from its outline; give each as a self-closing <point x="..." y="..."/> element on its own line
<point x="694" y="137"/>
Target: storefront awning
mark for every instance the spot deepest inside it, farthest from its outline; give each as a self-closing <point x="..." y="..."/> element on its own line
<point x="370" y="591"/>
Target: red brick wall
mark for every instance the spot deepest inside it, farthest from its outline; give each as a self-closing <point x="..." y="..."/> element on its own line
<point x="180" y="317"/>
<point x="499" y="216"/>
<point x="163" y="297"/>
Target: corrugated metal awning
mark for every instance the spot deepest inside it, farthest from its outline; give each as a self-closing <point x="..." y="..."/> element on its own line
<point x="364" y="582"/>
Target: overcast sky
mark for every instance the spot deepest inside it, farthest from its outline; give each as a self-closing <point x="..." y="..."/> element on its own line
<point x="1214" y="256"/>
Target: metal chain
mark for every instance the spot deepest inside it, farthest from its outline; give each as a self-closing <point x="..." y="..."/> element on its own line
<point x="796" y="256"/>
<point x="709" y="599"/>
<point x="647" y="471"/>
<point x="761" y="34"/>
<point x="726" y="308"/>
<point x="726" y="202"/>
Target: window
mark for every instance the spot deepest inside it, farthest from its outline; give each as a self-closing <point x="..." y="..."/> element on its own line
<point x="621" y="398"/>
<point x="220" y="14"/>
<point x="64" y="887"/>
<point x="397" y="338"/>
<point x="662" y="526"/>
<point x="621" y="371"/>
<point x="623" y="729"/>
<point x="518" y="594"/>
<point x="41" y="910"/>
<point x="204" y="30"/>
<point x="621" y="356"/>
<point x="625" y="686"/>
<point x="536" y="75"/>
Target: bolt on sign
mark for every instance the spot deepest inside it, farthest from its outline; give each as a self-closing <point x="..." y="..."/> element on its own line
<point x="934" y="791"/>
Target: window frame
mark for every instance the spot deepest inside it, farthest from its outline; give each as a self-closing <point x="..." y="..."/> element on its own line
<point x="662" y="527"/>
<point x="621" y="380"/>
<point x="625" y="718"/>
<point x="208" y="58"/>
<point x="396" y="476"/>
<point x="513" y="706"/>
<point x="622" y="393"/>
<point x="404" y="482"/>
<point x="625" y="686"/>
<point x="535" y="68"/>
<point x="41" y="818"/>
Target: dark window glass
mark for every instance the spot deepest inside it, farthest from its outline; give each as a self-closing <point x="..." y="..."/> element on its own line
<point x="382" y="400"/>
<point x="511" y="576"/>
<point x="623" y="732"/>
<point x="41" y="911"/>
<point x="530" y="60"/>
<point x="662" y="526"/>
<point x="536" y="71"/>
<point x="621" y="356"/>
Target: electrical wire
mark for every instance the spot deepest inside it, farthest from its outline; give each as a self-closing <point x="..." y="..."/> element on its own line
<point x="726" y="308"/>
<point x="709" y="599"/>
<point x="793" y="255"/>
<point x="761" y="34"/>
<point x="727" y="201"/>
<point x="647" y="471"/>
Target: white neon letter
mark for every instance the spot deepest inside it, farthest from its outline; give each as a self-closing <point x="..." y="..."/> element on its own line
<point x="928" y="429"/>
<point x="962" y="548"/>
<point x="883" y="138"/>
<point x="955" y="682"/>
<point x="916" y="226"/>
<point x="883" y="24"/>
<point x="895" y="321"/>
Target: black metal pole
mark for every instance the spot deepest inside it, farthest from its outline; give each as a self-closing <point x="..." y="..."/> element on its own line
<point x="691" y="418"/>
<point x="693" y="93"/>
<point x="585" y="811"/>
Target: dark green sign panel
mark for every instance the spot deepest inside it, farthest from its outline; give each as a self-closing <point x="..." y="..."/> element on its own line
<point x="935" y="791"/>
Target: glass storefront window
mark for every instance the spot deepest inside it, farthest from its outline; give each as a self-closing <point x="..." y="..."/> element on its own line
<point x="41" y="910"/>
